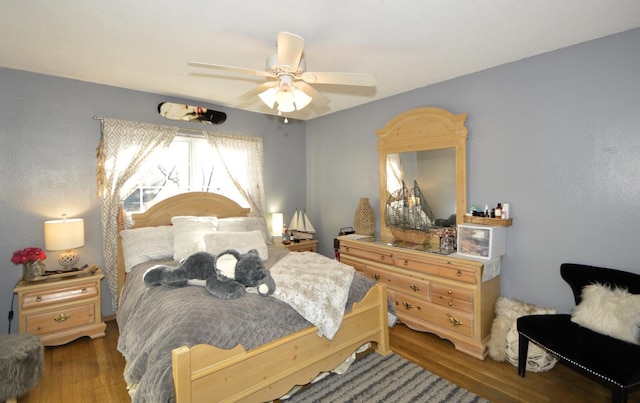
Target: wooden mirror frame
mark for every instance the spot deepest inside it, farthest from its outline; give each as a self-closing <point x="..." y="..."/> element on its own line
<point x="424" y="129"/>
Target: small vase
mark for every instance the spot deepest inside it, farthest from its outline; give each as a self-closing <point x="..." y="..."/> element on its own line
<point x="447" y="243"/>
<point x="31" y="270"/>
<point x="364" y="220"/>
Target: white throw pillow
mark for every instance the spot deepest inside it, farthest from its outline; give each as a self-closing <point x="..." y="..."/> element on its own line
<point x="141" y="245"/>
<point x="614" y="312"/>
<point x="243" y="242"/>
<point x="188" y="234"/>
<point x="233" y="224"/>
<point x="240" y="224"/>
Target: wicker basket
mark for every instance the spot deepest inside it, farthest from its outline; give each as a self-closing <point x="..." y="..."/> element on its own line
<point x="410" y="235"/>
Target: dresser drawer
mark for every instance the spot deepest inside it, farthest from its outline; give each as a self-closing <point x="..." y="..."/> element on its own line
<point x="57" y="295"/>
<point x="60" y="319"/>
<point x="410" y="285"/>
<point x="360" y="267"/>
<point x="446" y="270"/>
<point x="452" y="297"/>
<point x="375" y="256"/>
<point x="450" y="319"/>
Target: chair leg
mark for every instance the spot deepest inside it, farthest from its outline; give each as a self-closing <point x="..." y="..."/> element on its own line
<point x="523" y="350"/>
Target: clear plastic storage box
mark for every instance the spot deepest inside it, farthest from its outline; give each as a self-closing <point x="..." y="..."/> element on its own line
<point x="481" y="241"/>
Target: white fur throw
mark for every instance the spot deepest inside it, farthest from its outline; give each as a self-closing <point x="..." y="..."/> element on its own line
<point x="614" y="312"/>
<point x="315" y="286"/>
<point x="503" y="345"/>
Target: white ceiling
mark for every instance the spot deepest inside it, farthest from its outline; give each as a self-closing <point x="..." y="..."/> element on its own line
<point x="146" y="44"/>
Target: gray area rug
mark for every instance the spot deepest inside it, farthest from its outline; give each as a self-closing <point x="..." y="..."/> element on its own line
<point x="374" y="378"/>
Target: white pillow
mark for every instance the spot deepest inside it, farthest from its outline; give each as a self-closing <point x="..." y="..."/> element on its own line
<point x="188" y="234"/>
<point x="243" y="242"/>
<point x="233" y="224"/>
<point x="141" y="245"/>
<point x="240" y="224"/>
<point x="614" y="312"/>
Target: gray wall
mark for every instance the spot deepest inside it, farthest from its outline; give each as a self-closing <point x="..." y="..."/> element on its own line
<point x="556" y="135"/>
<point x="48" y="141"/>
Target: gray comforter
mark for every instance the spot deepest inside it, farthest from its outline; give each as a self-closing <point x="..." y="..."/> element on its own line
<point x="154" y="321"/>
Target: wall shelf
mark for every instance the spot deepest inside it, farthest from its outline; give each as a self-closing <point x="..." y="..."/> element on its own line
<point x="498" y="222"/>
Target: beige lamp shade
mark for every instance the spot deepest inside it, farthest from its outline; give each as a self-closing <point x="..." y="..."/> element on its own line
<point x="64" y="234"/>
<point x="277" y="221"/>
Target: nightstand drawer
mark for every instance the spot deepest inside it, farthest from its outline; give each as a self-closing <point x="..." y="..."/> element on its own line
<point x="61" y="319"/>
<point x="63" y="294"/>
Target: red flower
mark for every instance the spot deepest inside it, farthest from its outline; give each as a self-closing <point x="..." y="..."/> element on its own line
<point x="27" y="255"/>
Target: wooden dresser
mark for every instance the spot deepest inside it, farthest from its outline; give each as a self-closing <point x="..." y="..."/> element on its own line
<point x="63" y="310"/>
<point x="432" y="292"/>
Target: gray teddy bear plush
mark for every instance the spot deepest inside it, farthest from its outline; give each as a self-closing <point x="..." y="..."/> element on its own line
<point x="228" y="275"/>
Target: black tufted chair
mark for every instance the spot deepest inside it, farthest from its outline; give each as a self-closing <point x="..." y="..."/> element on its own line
<point x="613" y="362"/>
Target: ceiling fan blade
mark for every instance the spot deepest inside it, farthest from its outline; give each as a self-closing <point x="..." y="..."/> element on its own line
<point x="260" y="73"/>
<point x="317" y="98"/>
<point x="289" y="50"/>
<point x="257" y="90"/>
<point x="359" y="79"/>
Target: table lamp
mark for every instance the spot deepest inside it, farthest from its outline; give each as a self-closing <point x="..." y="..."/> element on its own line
<point x="65" y="235"/>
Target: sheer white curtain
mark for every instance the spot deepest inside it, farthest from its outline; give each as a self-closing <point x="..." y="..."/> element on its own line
<point x="248" y="152"/>
<point x="123" y="150"/>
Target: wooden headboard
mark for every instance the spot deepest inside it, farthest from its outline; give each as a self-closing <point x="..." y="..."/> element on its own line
<point x="185" y="204"/>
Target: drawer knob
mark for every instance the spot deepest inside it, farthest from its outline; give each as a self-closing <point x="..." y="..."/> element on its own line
<point x="38" y="299"/>
<point x="449" y="292"/>
<point x="346" y="248"/>
<point x="375" y="276"/>
<point x="62" y="317"/>
<point x="414" y="287"/>
<point x="382" y="257"/>
<point x="459" y="273"/>
<point x="406" y="262"/>
<point x="407" y="306"/>
<point x="84" y="290"/>
<point x="455" y="322"/>
<point x="450" y="304"/>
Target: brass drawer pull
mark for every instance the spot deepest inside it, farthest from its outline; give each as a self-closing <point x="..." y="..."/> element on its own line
<point x="414" y="287"/>
<point x="38" y="299"/>
<point x="450" y="304"/>
<point x="84" y="290"/>
<point x="449" y="292"/>
<point x="346" y="248"/>
<point x="375" y="276"/>
<point x="406" y="262"/>
<point x="62" y="317"/>
<point x="454" y="321"/>
<point x="459" y="273"/>
<point x="407" y="305"/>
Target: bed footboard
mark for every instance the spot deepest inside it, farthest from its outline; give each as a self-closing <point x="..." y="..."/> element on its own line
<point x="206" y="373"/>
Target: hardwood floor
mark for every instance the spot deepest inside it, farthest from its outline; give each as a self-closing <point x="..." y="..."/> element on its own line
<point x="90" y="371"/>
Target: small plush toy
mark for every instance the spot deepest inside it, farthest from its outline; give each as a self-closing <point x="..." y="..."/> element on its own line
<point x="228" y="275"/>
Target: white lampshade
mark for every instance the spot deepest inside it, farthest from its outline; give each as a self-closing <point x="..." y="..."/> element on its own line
<point x="277" y="222"/>
<point x="65" y="234"/>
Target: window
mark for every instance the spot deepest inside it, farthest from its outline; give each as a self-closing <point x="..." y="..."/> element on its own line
<point x="188" y="165"/>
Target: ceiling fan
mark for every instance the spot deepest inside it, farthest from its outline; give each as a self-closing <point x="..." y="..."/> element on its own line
<point x="288" y="86"/>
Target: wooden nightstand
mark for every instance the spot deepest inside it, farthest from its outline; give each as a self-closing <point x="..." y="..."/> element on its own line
<point x="310" y="245"/>
<point x="61" y="310"/>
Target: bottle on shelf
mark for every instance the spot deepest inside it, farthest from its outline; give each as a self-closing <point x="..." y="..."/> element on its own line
<point x="498" y="212"/>
<point x="286" y="238"/>
<point x="486" y="211"/>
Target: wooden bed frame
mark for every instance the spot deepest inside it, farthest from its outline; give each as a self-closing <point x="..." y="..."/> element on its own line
<point x="207" y="373"/>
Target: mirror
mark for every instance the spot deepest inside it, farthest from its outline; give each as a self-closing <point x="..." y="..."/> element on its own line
<point x="422" y="172"/>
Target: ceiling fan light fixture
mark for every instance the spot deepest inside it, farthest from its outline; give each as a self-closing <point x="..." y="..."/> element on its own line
<point x="301" y="99"/>
<point x="269" y="96"/>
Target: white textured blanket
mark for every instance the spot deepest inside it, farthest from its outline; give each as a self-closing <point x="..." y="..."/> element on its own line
<point x="315" y="286"/>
